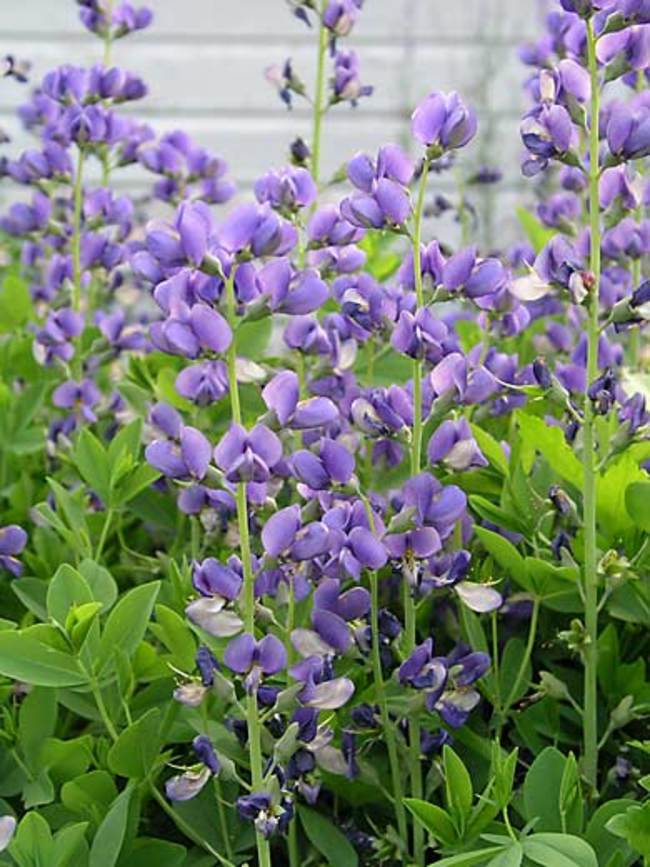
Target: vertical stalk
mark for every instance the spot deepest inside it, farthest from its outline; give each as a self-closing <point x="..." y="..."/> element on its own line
<point x="637" y="264"/>
<point x="378" y="678"/>
<point x="590" y="757"/>
<point x="252" y="717"/>
<point x="318" y="98"/>
<point x="389" y="734"/>
<point x="75" y="244"/>
<point x="415" y="766"/>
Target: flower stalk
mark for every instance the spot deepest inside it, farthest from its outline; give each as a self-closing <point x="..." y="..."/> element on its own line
<point x="590" y="746"/>
<point x="318" y="109"/>
<point x="252" y="717"/>
<point x="415" y="766"/>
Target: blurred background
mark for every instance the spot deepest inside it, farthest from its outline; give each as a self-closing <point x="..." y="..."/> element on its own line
<point x="204" y="62"/>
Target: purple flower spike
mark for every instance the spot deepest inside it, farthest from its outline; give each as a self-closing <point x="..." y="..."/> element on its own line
<point x="333" y="610"/>
<point x="12" y="541"/>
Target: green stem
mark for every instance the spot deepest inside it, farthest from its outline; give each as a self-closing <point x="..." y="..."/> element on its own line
<point x="590" y="701"/>
<point x="186" y="828"/>
<point x="415" y="766"/>
<point x="318" y="100"/>
<point x="104" y="534"/>
<point x="532" y="632"/>
<point x="294" y="851"/>
<point x="103" y="712"/>
<point x="389" y="731"/>
<point x="75" y="244"/>
<point x="254" y="732"/>
<point x="223" y="821"/>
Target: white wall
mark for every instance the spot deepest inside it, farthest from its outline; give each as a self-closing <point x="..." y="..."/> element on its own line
<point x="204" y="63"/>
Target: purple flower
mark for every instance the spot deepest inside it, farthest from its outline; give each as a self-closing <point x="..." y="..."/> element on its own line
<point x="12" y="541"/>
<point x="443" y="122"/>
<point x="422" y="670"/>
<point x="453" y="443"/>
<point x="294" y="293"/>
<point x="203" y="383"/>
<point x="321" y="689"/>
<point x="547" y="133"/>
<point x="81" y="397"/>
<point x="248" y="457"/>
<point x="384" y="198"/>
<point x="339" y="16"/>
<point x="185" y="456"/>
<point x="420" y="335"/>
<point x="332" y="465"/>
<point x="281" y="396"/>
<point x="284" y="535"/>
<point x="628" y="131"/>
<point x="185" y="786"/>
<point x="288" y="188"/>
<point x="245" y="655"/>
<point x="257" y="229"/>
<point x="347" y="85"/>
<point x="333" y="610"/>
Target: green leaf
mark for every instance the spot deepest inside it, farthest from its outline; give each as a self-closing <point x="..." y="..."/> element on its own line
<point x="504" y="552"/>
<point x="134" y="752"/>
<point x="173" y="631"/>
<point x="89" y="795"/>
<point x="101" y="582"/>
<point x="147" y="851"/>
<point x="109" y="838"/>
<point x="613" y="484"/>
<point x="15" y="303"/>
<point x="570" y="797"/>
<point x="510" y="857"/>
<point x="513" y="654"/>
<point x="91" y="460"/>
<point x="542" y="790"/>
<point x="32" y="844"/>
<point x="633" y="826"/>
<point x="637" y="504"/>
<point x="549" y="442"/>
<point x="127" y="623"/>
<point x="32" y="592"/>
<point x="470" y="859"/>
<point x="327" y="839"/>
<point x="501" y="517"/>
<point x="602" y="840"/>
<point x="67" y="589"/>
<point x="36" y="723"/>
<point x="537" y="233"/>
<point x="67" y="843"/>
<point x="491" y="449"/>
<point x="459" y="793"/>
<point x="559" y="850"/>
<point x="434" y="819"/>
<point x="24" y="658"/>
